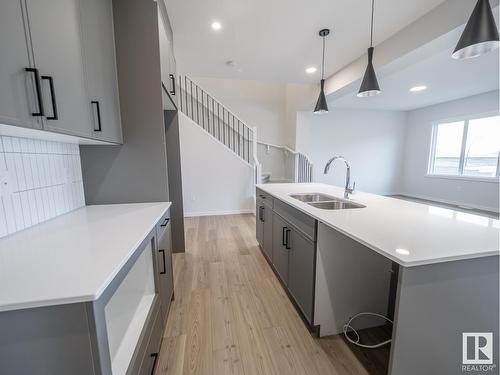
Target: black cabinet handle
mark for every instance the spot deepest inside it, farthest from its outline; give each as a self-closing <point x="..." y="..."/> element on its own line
<point x="38" y="90"/>
<point x="98" y="112"/>
<point x="52" y="97"/>
<point x="164" y="263"/>
<point x="261" y="213"/>
<point x="287" y="239"/>
<point x="165" y="223"/>
<point x="172" y="77"/>
<point x="263" y="216"/>
<point x="283" y="240"/>
<point x="155" y="358"/>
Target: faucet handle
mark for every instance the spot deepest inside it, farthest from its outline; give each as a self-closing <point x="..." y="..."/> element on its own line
<point x="350" y="190"/>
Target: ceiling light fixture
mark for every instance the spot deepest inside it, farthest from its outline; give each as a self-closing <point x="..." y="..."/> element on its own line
<point x="311" y="70"/>
<point x="418" y="88"/>
<point x="369" y="86"/>
<point x="403" y="251"/>
<point x="216" y="25"/>
<point x="480" y="34"/>
<point x="321" y="105"/>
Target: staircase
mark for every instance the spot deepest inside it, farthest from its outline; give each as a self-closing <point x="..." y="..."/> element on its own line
<point x="241" y="139"/>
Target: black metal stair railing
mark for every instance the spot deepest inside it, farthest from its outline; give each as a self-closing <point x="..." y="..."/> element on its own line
<point x="216" y="119"/>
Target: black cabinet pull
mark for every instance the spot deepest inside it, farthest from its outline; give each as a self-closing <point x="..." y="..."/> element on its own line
<point x="165" y="223"/>
<point x="287" y="239"/>
<point x="283" y="240"/>
<point x="38" y="90"/>
<point x="164" y="263"/>
<point x="52" y="97"/>
<point x="263" y="215"/>
<point x="155" y="358"/>
<point x="98" y="111"/>
<point x="172" y="77"/>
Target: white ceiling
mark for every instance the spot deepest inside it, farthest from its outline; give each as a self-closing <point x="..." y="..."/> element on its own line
<point x="277" y="39"/>
<point x="446" y="78"/>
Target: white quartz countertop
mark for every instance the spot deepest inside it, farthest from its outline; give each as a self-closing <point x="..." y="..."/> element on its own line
<point x="408" y="233"/>
<point x="74" y="257"/>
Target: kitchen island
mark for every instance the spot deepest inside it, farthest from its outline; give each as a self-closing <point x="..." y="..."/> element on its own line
<point x="87" y="292"/>
<point x="420" y="265"/>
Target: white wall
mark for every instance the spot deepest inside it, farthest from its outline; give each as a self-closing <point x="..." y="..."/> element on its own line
<point x="370" y="140"/>
<point x="214" y="180"/>
<point x="40" y="180"/>
<point x="483" y="195"/>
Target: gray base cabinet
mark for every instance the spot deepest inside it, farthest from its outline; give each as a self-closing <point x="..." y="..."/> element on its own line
<point x="302" y="271"/>
<point x="80" y="338"/>
<point x="264" y="227"/>
<point x="280" y="250"/>
<point x="165" y="269"/>
<point x="288" y="240"/>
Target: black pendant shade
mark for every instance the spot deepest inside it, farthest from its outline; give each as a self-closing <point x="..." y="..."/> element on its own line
<point x="480" y="34"/>
<point x="321" y="105"/>
<point x="369" y="86"/>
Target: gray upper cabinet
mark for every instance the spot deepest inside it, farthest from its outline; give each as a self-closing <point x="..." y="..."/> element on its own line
<point x="99" y="62"/>
<point x="18" y="100"/>
<point x="56" y="41"/>
<point x="58" y="67"/>
<point x="167" y="58"/>
<point x="301" y="271"/>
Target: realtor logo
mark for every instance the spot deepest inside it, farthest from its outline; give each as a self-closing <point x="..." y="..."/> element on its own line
<point x="477" y="348"/>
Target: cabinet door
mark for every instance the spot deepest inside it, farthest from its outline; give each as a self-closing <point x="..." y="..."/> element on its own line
<point x="267" y="245"/>
<point x="280" y="252"/>
<point x="165" y="271"/>
<point x="55" y="34"/>
<point x="259" y="224"/>
<point x="99" y="62"/>
<point x="164" y="52"/>
<point x="17" y="87"/>
<point x="301" y="272"/>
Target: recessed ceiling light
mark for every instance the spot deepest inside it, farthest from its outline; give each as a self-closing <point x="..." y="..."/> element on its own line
<point x="311" y="70"/>
<point x="403" y="251"/>
<point x="418" y="88"/>
<point x="216" y="25"/>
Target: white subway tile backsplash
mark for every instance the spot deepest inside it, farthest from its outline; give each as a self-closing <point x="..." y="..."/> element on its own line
<point x="44" y="180"/>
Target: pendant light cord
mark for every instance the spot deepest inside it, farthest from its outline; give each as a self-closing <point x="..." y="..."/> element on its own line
<point x="323" y="61"/>
<point x="371" y="31"/>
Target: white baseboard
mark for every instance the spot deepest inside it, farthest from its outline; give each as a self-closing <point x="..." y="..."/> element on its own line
<point x="220" y="213"/>
<point x="447" y="201"/>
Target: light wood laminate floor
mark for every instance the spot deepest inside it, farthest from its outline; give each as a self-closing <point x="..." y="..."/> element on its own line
<point x="231" y="315"/>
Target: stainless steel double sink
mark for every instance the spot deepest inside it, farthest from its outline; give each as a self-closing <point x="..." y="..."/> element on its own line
<point x="326" y="202"/>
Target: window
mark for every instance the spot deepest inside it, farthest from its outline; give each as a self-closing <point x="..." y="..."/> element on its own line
<point x="468" y="148"/>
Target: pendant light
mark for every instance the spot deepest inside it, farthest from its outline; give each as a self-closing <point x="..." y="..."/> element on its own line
<point x="480" y="34"/>
<point x="321" y="105"/>
<point x="369" y="86"/>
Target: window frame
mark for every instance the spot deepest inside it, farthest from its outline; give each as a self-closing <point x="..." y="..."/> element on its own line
<point x="460" y="176"/>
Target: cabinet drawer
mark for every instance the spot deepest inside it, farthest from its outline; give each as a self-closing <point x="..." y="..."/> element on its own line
<point x="300" y="220"/>
<point x="265" y="197"/>
<point x="150" y="359"/>
<point x="162" y="224"/>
